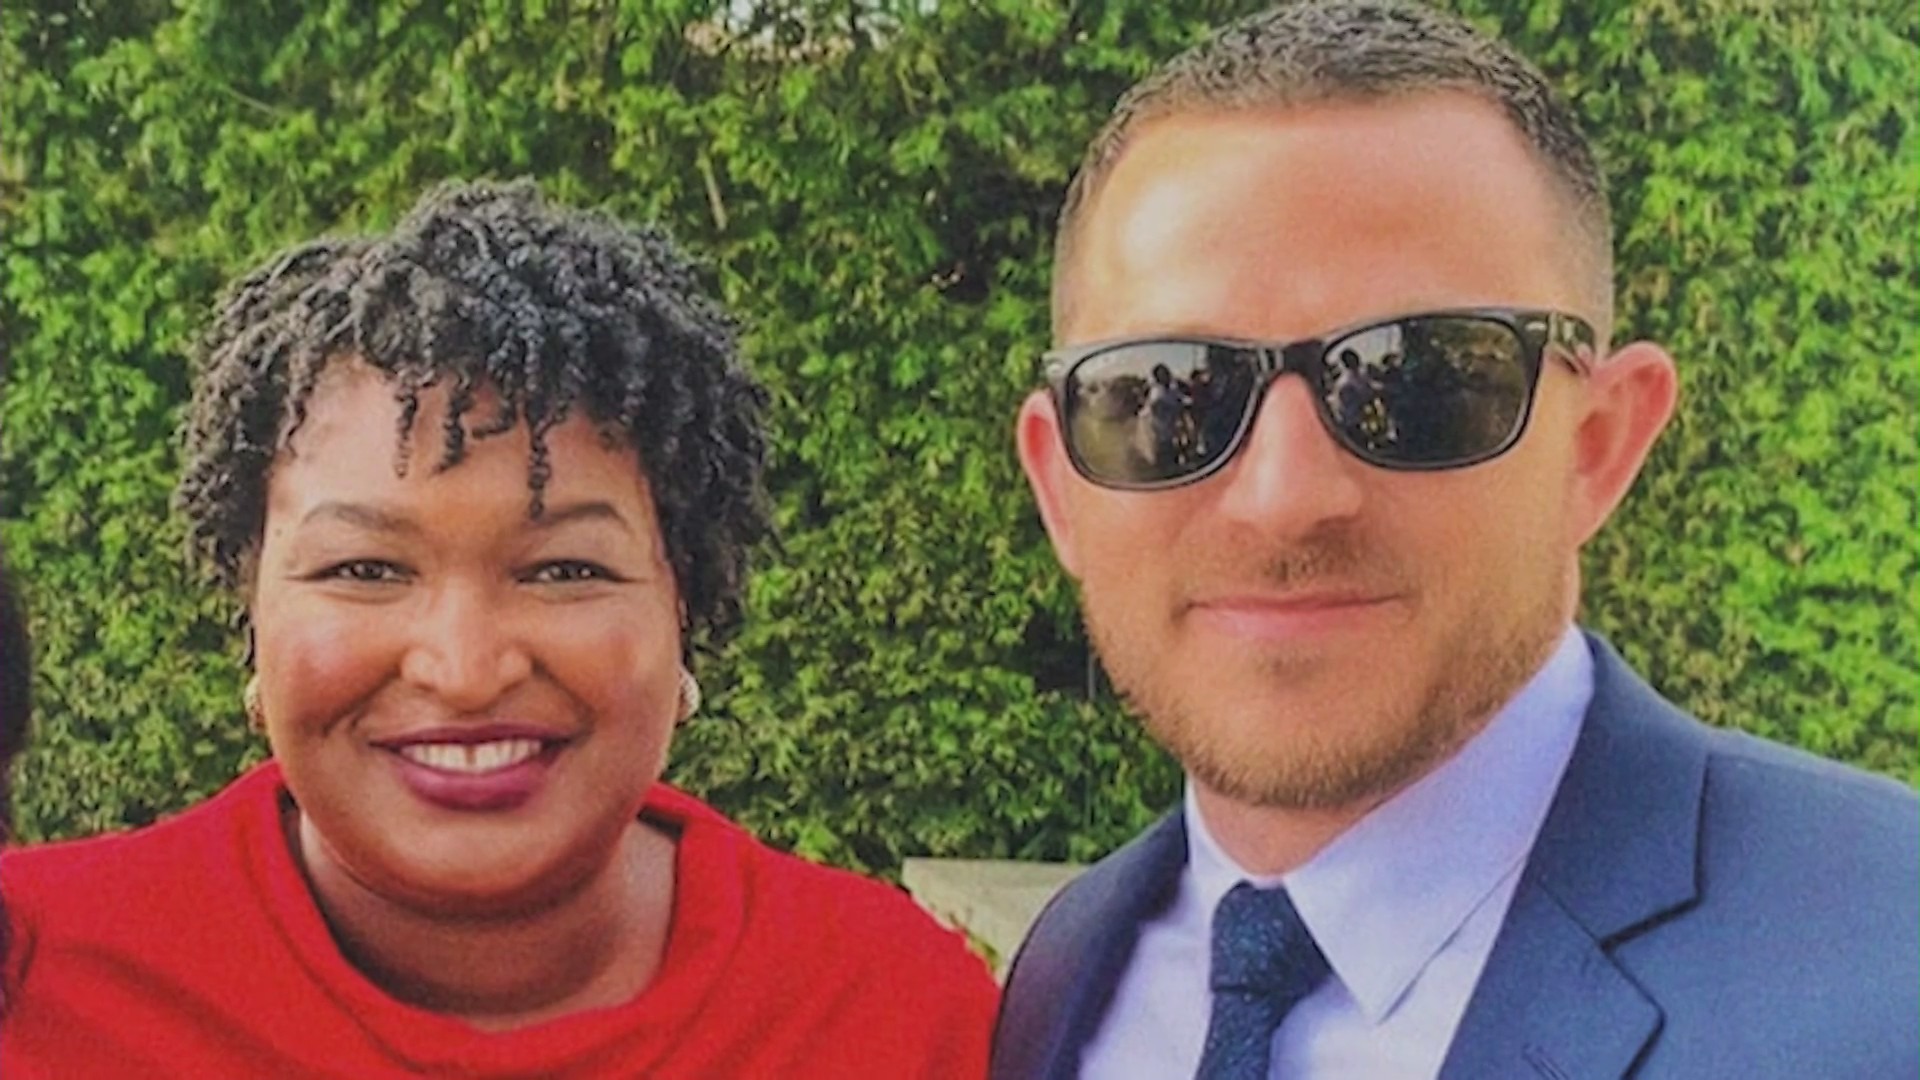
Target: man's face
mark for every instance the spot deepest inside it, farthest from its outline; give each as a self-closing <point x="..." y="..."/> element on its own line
<point x="1302" y="629"/>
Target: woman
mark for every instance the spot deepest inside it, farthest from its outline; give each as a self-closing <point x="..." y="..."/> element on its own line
<point x="16" y="678"/>
<point x="476" y="484"/>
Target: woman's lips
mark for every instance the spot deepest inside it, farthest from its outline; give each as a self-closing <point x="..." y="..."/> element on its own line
<point x="474" y="771"/>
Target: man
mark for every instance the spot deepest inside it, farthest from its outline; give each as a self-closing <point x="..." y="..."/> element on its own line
<point x="1431" y="828"/>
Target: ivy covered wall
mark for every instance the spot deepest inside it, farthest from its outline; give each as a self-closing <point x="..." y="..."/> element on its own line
<point x="873" y="187"/>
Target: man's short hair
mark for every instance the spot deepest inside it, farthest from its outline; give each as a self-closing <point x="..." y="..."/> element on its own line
<point x="1353" y="51"/>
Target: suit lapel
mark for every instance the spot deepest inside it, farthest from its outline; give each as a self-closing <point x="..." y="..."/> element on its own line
<point x="1616" y="854"/>
<point x="1061" y="982"/>
<point x="1551" y="1004"/>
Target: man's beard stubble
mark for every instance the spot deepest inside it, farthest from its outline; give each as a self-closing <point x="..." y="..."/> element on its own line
<point x="1481" y="663"/>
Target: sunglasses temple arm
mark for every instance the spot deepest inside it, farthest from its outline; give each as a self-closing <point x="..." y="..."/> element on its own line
<point x="1572" y="341"/>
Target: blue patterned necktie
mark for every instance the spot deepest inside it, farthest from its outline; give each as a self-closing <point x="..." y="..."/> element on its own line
<point x="1264" y="962"/>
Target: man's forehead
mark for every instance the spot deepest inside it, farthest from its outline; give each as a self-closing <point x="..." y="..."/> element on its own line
<point x="1358" y="143"/>
<point x="1352" y="209"/>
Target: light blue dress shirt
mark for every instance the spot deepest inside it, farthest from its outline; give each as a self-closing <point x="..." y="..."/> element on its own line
<point x="1405" y="904"/>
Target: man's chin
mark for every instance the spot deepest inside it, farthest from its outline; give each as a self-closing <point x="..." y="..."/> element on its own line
<point x="1305" y="755"/>
<point x="1305" y="783"/>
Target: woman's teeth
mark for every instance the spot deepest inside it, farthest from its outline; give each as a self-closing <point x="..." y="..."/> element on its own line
<point x="471" y="757"/>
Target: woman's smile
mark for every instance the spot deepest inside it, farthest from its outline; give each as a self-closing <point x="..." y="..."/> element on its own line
<point x="491" y="769"/>
<point x="471" y="759"/>
<point x="470" y="700"/>
<point x="474" y="483"/>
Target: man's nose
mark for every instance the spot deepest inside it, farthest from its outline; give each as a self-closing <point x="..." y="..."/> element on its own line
<point x="465" y="650"/>
<point x="1290" y="477"/>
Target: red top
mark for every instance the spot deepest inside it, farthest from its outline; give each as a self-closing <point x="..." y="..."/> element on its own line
<point x="192" y="948"/>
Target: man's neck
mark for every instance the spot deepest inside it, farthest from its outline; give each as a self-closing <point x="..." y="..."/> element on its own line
<point x="598" y="946"/>
<point x="1268" y="841"/>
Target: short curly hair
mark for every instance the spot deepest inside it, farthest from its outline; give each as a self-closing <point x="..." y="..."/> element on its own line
<point x="487" y="285"/>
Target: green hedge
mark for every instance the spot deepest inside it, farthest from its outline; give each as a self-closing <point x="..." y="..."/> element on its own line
<point x="873" y="186"/>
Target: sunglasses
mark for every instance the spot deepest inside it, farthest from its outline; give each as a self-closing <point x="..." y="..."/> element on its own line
<point x="1437" y="390"/>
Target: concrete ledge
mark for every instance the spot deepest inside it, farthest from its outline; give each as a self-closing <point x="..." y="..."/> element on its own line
<point x="992" y="900"/>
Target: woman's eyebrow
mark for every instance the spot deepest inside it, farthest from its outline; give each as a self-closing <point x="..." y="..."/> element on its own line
<point x="363" y="515"/>
<point x="378" y="519"/>
<point x="592" y="510"/>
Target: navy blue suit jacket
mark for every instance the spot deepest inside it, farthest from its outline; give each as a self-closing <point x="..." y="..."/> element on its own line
<point x="1699" y="904"/>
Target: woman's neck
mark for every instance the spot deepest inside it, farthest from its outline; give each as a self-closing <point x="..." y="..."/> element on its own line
<point x="596" y="946"/>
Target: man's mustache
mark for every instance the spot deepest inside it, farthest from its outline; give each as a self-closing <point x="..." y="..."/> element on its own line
<point x="1337" y="560"/>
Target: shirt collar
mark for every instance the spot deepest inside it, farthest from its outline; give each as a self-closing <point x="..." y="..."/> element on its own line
<point x="1387" y="894"/>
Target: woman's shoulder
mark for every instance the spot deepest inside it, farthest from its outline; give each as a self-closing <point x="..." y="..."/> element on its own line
<point x="167" y="858"/>
<point x="846" y="959"/>
<point x="856" y="920"/>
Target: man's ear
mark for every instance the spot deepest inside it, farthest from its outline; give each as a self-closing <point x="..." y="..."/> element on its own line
<point x="1036" y="436"/>
<point x="1629" y="400"/>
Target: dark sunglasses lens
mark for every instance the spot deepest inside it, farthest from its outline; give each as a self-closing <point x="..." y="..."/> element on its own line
<point x="1427" y="391"/>
<point x="1154" y="412"/>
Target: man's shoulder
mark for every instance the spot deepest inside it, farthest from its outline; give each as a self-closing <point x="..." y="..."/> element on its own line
<point x="1806" y="921"/>
<point x="1076" y="933"/>
<point x="1766" y="805"/>
<point x="1129" y="877"/>
<point x="1783" y="885"/>
<point x="1747" y="802"/>
<point x="1771" y="799"/>
<point x="1762" y="776"/>
<point x="1058" y="984"/>
<point x="1747" y="781"/>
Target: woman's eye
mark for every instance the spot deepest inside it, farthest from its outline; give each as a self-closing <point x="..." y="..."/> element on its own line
<point x="363" y="571"/>
<point x="570" y="571"/>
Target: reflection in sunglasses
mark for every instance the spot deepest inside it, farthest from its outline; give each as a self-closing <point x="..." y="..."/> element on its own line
<point x="1440" y="390"/>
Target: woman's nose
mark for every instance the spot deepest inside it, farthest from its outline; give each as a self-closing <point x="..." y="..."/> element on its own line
<point x="465" y="650"/>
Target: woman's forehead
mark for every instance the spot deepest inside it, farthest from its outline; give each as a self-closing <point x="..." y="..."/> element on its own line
<point x="363" y="431"/>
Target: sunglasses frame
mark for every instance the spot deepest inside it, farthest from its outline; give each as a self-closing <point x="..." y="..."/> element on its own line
<point x="1568" y="337"/>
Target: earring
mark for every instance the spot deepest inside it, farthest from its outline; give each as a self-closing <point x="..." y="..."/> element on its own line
<point x="689" y="696"/>
<point x="250" y="700"/>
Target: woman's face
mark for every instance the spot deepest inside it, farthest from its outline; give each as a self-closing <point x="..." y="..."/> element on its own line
<point x="469" y="705"/>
